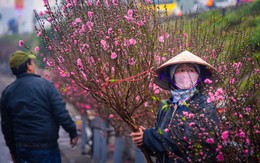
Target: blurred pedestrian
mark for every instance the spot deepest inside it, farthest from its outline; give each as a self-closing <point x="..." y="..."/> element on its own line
<point x="183" y="76"/>
<point x="13" y="26"/>
<point x="32" y="110"/>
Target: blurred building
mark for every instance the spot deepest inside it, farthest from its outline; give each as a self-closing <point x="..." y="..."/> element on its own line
<point x="17" y="16"/>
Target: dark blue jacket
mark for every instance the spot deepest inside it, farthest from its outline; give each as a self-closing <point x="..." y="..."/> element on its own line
<point x="32" y="110"/>
<point x="159" y="142"/>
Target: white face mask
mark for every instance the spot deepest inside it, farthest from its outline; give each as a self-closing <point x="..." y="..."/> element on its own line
<point x="186" y="80"/>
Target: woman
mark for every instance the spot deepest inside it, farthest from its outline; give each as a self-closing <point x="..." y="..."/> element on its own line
<point x="178" y="117"/>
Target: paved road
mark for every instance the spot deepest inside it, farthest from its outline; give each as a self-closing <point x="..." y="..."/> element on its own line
<point x="5" y="155"/>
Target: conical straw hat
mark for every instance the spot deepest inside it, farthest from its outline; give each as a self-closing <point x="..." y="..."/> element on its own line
<point x="162" y="80"/>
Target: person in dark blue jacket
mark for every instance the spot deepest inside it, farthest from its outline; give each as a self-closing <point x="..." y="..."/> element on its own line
<point x="179" y="116"/>
<point x="32" y="110"/>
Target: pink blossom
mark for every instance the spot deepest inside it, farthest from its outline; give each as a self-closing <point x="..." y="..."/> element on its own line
<point x="210" y="140"/>
<point x="185" y="35"/>
<point x="77" y="20"/>
<point x="41" y="13"/>
<point x="242" y="134"/>
<point x="45" y="2"/>
<point x="191" y="115"/>
<point x="90" y="14"/>
<point x="157" y="91"/>
<point x="116" y="43"/>
<point x="132" y="41"/>
<point x="237" y="71"/>
<point x="69" y="5"/>
<point x="49" y="19"/>
<point x="79" y="64"/>
<point x="220" y="97"/>
<point x="107" y="3"/>
<point x="64" y="8"/>
<point x="191" y="124"/>
<point x="111" y="116"/>
<point x="83" y="74"/>
<point x="185" y="138"/>
<point x="110" y="30"/>
<point x="247" y="141"/>
<point x="220" y="157"/>
<point x="166" y="130"/>
<point x="104" y="44"/>
<point x="185" y="113"/>
<point x="90" y="25"/>
<point x="49" y="63"/>
<point x="130" y="13"/>
<point x="129" y="16"/>
<point x="113" y="69"/>
<point x="248" y="109"/>
<point x="224" y="136"/>
<point x="131" y="61"/>
<point x="83" y="28"/>
<point x="39" y="34"/>
<point x="89" y="2"/>
<point x="210" y="94"/>
<point x="114" y="2"/>
<point x="37" y="49"/>
<point x="140" y="23"/>
<point x="232" y="81"/>
<point x="161" y="39"/>
<point x="87" y="106"/>
<point x="137" y="98"/>
<point x="113" y="55"/>
<point x="49" y="47"/>
<point x="219" y="91"/>
<point x="210" y="99"/>
<point x="97" y="2"/>
<point x="207" y="81"/>
<point x="20" y="43"/>
<point x="47" y="12"/>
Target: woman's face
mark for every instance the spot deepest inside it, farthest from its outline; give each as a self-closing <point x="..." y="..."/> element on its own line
<point x="186" y="76"/>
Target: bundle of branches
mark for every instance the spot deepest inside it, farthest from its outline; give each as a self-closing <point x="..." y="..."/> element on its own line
<point x="110" y="48"/>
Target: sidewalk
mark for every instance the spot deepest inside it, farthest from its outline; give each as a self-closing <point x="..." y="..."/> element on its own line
<point x="71" y="155"/>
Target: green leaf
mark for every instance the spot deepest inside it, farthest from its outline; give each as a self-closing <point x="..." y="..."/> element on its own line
<point x="165" y="107"/>
<point x="155" y="98"/>
<point x="198" y="146"/>
<point x="212" y="133"/>
<point x="185" y="104"/>
<point x="160" y="131"/>
<point x="112" y="80"/>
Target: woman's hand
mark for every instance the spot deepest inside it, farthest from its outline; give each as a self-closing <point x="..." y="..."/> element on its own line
<point x="137" y="137"/>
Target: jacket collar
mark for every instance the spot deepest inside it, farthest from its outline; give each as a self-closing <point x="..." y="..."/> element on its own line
<point x="27" y="74"/>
